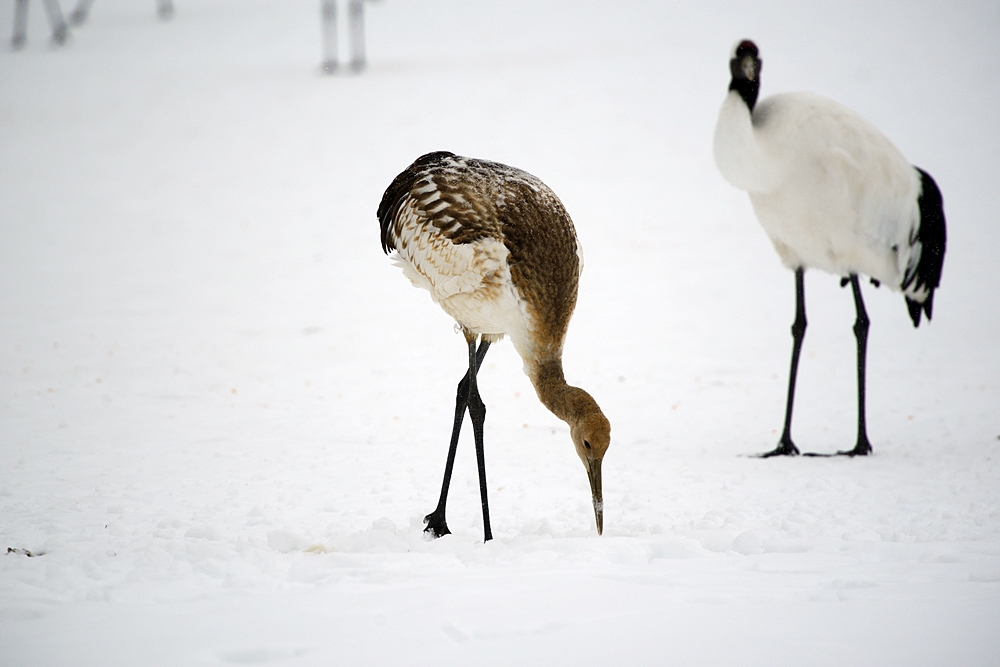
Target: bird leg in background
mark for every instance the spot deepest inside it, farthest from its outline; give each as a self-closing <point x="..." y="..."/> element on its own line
<point x="863" y="446"/>
<point x="436" y="524"/>
<point x="328" y="11"/>
<point x="20" y="24"/>
<point x="79" y="15"/>
<point x="356" y="13"/>
<point x="165" y="9"/>
<point x="59" y="30"/>
<point x="785" y="446"/>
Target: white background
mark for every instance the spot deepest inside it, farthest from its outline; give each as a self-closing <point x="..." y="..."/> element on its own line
<point x="224" y="413"/>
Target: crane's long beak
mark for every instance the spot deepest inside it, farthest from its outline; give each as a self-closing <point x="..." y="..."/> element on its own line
<point x="594" y="473"/>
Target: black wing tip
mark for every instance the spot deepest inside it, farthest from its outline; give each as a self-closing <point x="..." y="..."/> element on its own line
<point x="397" y="191"/>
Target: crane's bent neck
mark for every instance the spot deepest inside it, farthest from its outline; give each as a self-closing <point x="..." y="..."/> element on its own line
<point x="571" y="404"/>
<point x="738" y="153"/>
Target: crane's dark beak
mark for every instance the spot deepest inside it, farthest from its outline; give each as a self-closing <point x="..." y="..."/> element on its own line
<point x="594" y="473"/>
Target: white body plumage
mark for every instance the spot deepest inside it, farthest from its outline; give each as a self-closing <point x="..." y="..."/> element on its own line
<point x="830" y="190"/>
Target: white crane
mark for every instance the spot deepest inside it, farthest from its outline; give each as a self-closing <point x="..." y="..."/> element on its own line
<point x="832" y="193"/>
<point x="498" y="252"/>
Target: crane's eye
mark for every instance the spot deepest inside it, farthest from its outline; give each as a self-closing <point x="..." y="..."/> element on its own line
<point x="586" y="444"/>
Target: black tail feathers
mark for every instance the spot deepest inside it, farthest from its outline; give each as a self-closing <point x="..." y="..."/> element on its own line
<point x="931" y="236"/>
<point x="915" y="308"/>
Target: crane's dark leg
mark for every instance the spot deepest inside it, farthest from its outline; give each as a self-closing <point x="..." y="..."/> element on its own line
<point x="356" y="12"/>
<point x="436" y="524"/>
<point x="477" y="413"/>
<point x="863" y="446"/>
<point x="785" y="446"/>
<point x="165" y="9"/>
<point x="79" y="15"/>
<point x="329" y="14"/>
<point x="20" y="24"/>
<point x="56" y="20"/>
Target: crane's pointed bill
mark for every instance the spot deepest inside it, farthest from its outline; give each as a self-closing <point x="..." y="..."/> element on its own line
<point x="594" y="473"/>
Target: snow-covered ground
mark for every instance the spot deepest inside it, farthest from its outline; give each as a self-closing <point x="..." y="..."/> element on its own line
<point x="223" y="412"/>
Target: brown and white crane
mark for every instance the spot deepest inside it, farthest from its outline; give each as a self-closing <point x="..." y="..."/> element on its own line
<point x="497" y="251"/>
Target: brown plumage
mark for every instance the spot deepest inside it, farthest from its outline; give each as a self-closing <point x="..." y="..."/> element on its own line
<point x="497" y="251"/>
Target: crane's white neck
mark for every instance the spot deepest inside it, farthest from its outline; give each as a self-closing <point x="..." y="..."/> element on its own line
<point x="738" y="152"/>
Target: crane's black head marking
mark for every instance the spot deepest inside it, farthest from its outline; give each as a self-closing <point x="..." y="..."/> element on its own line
<point x="745" y="68"/>
<point x="932" y="236"/>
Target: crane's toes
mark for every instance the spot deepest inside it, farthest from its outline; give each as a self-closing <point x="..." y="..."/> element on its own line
<point x="436" y="525"/>
<point x="863" y="448"/>
<point x="784" y="448"/>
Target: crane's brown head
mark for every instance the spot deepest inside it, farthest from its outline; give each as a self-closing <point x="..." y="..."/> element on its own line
<point x="592" y="436"/>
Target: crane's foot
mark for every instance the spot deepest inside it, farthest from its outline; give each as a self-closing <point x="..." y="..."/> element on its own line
<point x="165" y="10"/>
<point x="435" y="524"/>
<point x="59" y="36"/>
<point x="785" y="448"/>
<point x="863" y="448"/>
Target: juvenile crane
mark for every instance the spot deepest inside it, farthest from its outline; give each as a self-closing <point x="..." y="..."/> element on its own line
<point x="498" y="252"/>
<point x="832" y="193"/>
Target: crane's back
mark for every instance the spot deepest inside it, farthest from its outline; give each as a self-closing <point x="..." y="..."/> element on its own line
<point x="492" y="243"/>
<point x="846" y="199"/>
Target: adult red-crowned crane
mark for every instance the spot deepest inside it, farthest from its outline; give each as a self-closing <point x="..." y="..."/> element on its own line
<point x="832" y="193"/>
<point x="498" y="252"/>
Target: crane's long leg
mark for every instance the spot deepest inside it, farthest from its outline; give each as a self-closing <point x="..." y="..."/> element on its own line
<point x="56" y="20"/>
<point x="328" y="10"/>
<point x="165" y="9"/>
<point x="477" y="413"/>
<point x="785" y="446"/>
<point x="863" y="446"/>
<point x="20" y="24"/>
<point x="436" y="524"/>
<point x="356" y="11"/>
<point x="79" y="15"/>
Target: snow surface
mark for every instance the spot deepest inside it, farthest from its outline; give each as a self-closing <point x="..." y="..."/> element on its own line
<point x="223" y="412"/>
